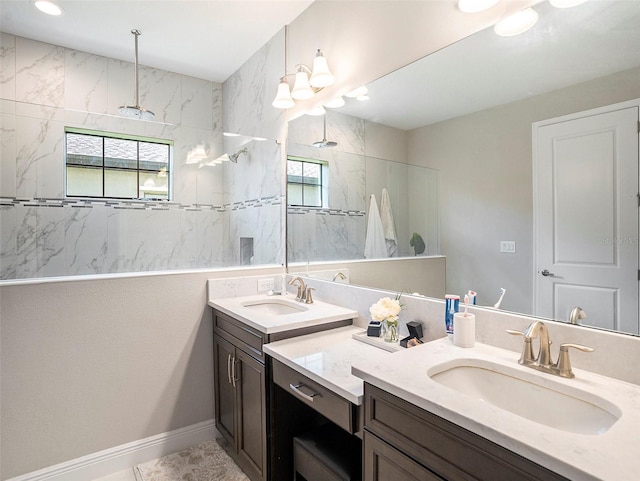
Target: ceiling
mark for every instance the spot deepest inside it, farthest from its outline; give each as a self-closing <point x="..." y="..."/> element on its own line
<point x="208" y="39"/>
<point x="566" y="47"/>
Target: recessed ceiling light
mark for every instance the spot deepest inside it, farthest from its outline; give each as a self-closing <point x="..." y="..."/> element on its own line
<point x="48" y="7"/>
<point x="230" y="134"/>
<point x="566" y="3"/>
<point x="517" y="23"/>
<point x="473" y="6"/>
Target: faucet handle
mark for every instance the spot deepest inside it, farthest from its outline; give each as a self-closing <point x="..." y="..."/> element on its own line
<point x="564" y="363"/>
<point x="308" y="298"/>
<point x="527" y="350"/>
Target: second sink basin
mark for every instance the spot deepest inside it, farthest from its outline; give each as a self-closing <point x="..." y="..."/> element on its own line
<point x="274" y="307"/>
<point x="543" y="401"/>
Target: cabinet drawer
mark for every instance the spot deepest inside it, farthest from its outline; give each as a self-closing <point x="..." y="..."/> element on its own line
<point x="382" y="462"/>
<point x="444" y="447"/>
<point x="251" y="339"/>
<point x="326" y="402"/>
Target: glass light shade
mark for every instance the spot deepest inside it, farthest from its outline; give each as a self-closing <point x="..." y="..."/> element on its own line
<point x="335" y="103"/>
<point x="362" y="98"/>
<point x="473" y="6"/>
<point x="315" y="111"/>
<point x="301" y="88"/>
<point x="357" y="92"/>
<point x="517" y="23"/>
<point x="48" y="7"/>
<point x="566" y="3"/>
<point x="321" y="76"/>
<point x="283" y="98"/>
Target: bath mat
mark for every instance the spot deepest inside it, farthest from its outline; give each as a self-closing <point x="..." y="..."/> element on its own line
<point x="204" y="462"/>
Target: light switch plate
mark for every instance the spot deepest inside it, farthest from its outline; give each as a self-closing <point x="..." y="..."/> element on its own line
<point x="508" y="247"/>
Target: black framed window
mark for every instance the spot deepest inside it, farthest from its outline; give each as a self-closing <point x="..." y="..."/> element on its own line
<point x="113" y="166"/>
<point x="306" y="182"/>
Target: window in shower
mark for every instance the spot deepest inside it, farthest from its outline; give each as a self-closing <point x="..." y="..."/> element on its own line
<point x="115" y="166"/>
<point x="306" y="182"/>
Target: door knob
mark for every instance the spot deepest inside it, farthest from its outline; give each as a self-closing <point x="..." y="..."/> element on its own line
<point x="546" y="273"/>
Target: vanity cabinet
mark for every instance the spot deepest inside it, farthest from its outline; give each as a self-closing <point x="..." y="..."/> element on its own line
<point x="243" y="392"/>
<point x="405" y="442"/>
<point x="241" y="405"/>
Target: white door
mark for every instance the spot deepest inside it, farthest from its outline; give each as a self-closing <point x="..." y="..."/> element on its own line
<point x="586" y="218"/>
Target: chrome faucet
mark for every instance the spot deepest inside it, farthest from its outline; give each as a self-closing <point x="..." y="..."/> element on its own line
<point x="302" y="289"/>
<point x="543" y="361"/>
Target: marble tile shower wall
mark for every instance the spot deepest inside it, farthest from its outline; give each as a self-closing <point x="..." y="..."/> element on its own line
<point x="337" y="232"/>
<point x="43" y="89"/>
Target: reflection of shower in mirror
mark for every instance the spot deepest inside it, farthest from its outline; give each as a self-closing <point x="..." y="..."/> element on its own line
<point x="234" y="157"/>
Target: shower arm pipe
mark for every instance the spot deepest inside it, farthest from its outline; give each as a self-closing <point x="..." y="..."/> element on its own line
<point x="136" y="33"/>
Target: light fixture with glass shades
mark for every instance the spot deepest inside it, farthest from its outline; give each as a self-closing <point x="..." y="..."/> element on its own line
<point x="135" y="111"/>
<point x="517" y="23"/>
<point x="360" y="93"/>
<point x="474" y="6"/>
<point x="307" y="81"/>
<point x="566" y="3"/>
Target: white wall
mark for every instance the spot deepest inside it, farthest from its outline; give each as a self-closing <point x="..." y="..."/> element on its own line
<point x="91" y="364"/>
<point x="485" y="165"/>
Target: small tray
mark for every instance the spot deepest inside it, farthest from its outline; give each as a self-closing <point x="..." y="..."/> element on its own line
<point x="377" y="342"/>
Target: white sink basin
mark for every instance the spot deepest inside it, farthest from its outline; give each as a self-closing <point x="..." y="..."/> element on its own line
<point x="542" y="400"/>
<point x="274" y="307"/>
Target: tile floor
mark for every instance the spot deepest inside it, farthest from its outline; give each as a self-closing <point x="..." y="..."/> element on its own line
<point x="126" y="475"/>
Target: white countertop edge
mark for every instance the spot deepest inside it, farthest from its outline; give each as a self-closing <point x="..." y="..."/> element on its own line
<point x="340" y="341"/>
<point x="575" y="456"/>
<point x="236" y="312"/>
<point x="324" y="382"/>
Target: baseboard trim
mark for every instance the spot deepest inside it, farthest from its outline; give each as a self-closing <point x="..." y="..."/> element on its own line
<point x="125" y="456"/>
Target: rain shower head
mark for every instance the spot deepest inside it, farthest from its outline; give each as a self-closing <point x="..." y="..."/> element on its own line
<point x="131" y="111"/>
<point x="324" y="143"/>
<point x="234" y="157"/>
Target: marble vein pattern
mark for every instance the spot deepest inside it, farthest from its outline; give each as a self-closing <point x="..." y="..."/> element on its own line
<point x="46" y="88"/>
<point x="7" y="66"/>
<point x="39" y="72"/>
<point x="248" y="93"/>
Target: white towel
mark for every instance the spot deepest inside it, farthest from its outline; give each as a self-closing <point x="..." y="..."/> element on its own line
<point x="388" y="226"/>
<point x="374" y="245"/>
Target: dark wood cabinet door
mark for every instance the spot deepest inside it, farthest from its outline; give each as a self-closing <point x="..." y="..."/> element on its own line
<point x="384" y="463"/>
<point x="252" y="415"/>
<point x="225" y="396"/>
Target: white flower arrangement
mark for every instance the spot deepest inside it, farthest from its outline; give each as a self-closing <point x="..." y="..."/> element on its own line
<point x="386" y="309"/>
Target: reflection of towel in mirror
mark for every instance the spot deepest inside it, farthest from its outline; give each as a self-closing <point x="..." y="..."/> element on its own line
<point x="388" y="226"/>
<point x="374" y="244"/>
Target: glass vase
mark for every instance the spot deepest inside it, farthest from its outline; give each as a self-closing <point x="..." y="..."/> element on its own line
<point x="391" y="330"/>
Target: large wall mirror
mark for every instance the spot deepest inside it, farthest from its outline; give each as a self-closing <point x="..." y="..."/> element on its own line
<point x="465" y="114"/>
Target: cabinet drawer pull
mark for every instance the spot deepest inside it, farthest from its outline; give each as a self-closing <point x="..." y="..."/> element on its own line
<point x="229" y="368"/>
<point x="296" y="388"/>
<point x="234" y="379"/>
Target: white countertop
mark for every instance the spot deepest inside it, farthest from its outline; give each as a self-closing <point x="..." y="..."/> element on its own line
<point x="326" y="358"/>
<point x="613" y="455"/>
<point x="313" y="314"/>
